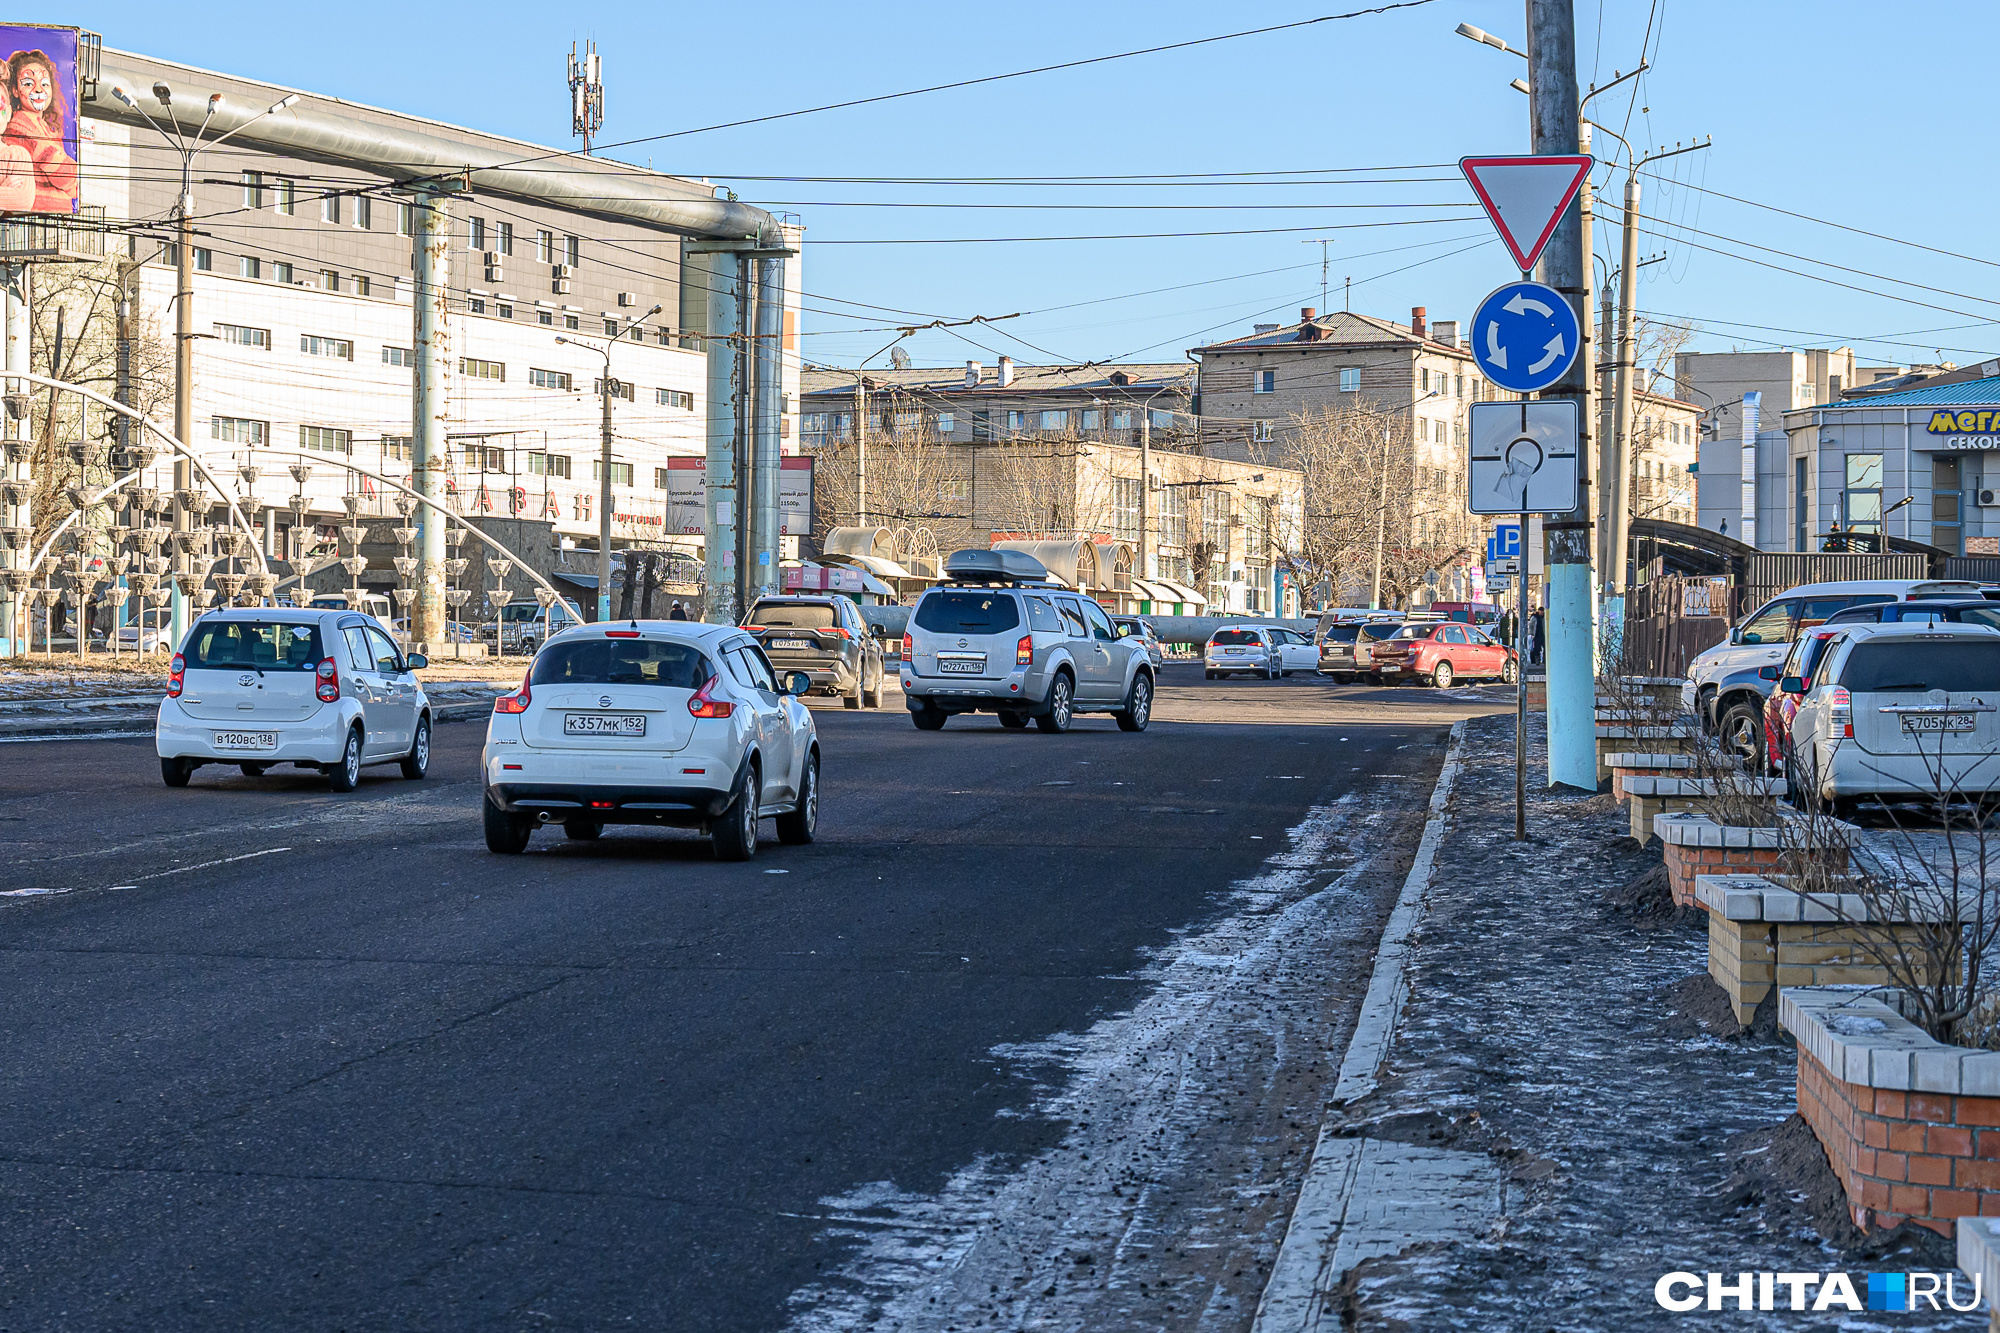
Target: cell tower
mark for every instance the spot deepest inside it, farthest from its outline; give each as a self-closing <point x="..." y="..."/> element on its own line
<point x="586" y="94"/>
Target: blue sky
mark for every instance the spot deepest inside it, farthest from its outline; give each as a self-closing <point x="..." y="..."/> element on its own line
<point x="1849" y="113"/>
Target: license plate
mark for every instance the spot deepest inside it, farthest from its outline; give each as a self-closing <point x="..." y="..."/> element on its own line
<point x="1914" y="722"/>
<point x="1390" y="671"/>
<point x="604" y="724"/>
<point x="246" y="740"/>
<point x="1232" y="652"/>
<point x="961" y="666"/>
<point x="791" y="643"/>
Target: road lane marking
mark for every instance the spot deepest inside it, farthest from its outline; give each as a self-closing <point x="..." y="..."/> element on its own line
<point x="161" y="874"/>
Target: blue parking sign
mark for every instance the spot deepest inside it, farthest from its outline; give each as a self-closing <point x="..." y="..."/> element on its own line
<point x="1505" y="543"/>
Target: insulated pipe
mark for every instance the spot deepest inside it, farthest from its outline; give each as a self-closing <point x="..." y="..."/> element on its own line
<point x="325" y="130"/>
<point x="764" y="425"/>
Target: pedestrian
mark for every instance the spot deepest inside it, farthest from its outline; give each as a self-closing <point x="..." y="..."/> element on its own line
<point x="679" y="612"/>
<point x="1535" y="638"/>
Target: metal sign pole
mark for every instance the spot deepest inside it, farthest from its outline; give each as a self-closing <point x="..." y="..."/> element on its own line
<point x="1521" y="694"/>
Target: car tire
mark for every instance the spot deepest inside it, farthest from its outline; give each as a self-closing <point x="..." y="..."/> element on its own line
<point x="1014" y="721"/>
<point x="505" y="834"/>
<point x="1511" y="673"/>
<point x="735" y="833"/>
<point x="1742" y="733"/>
<point x="1441" y="675"/>
<point x="852" y="699"/>
<point x="582" y="830"/>
<point x="1794" y="796"/>
<point x="928" y="718"/>
<point x="797" y="826"/>
<point x="176" y="772"/>
<point x="1062" y="706"/>
<point x="418" y="761"/>
<point x="1208" y="675"/>
<point x="346" y="774"/>
<point x="873" y="698"/>
<point x="1138" y="709"/>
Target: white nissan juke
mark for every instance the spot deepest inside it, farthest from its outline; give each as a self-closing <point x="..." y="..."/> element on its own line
<point x="661" y="722"/>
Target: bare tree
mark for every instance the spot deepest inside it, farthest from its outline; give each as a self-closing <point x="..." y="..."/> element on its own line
<point x="914" y="479"/>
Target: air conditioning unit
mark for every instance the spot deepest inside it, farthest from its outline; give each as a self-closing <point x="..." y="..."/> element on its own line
<point x="626" y="298"/>
<point x="559" y="286"/>
<point x="494" y="259"/>
<point x="559" y="270"/>
<point x="1989" y="497"/>
<point x="494" y="273"/>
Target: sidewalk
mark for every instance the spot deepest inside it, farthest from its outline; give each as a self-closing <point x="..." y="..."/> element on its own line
<point x="1568" y="1111"/>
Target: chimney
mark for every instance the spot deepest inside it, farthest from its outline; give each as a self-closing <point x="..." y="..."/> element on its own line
<point x="1417" y="320"/>
<point x="973" y="370"/>
<point x="1446" y="332"/>
<point x="1006" y="371"/>
<point x="1306" y="314"/>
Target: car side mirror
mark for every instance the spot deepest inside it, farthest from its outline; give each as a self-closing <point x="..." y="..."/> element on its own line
<point x="797" y="682"/>
<point x="1793" y="685"/>
<point x="1735" y="635"/>
<point x="415" y="662"/>
<point x="1767" y="673"/>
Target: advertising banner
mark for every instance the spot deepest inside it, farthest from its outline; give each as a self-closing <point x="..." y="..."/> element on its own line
<point x="687" y="484"/>
<point x="38" y="145"/>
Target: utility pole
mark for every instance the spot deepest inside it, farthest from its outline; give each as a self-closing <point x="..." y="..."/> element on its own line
<point x="430" y="446"/>
<point x="1146" y="557"/>
<point x="183" y="389"/>
<point x="860" y="449"/>
<point x="1571" y="639"/>
<point x="605" y="386"/>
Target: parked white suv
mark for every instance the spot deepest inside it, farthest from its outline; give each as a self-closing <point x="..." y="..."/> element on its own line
<point x="327" y="690"/>
<point x="663" y="722"/>
<point x="1000" y="637"/>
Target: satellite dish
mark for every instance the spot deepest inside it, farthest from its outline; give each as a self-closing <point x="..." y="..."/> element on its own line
<point x="899" y="358"/>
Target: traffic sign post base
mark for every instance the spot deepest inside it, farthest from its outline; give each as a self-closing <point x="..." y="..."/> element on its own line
<point x="1572" y="683"/>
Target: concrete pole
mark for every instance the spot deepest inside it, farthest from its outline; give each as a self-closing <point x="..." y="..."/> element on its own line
<point x="1607" y="397"/>
<point x="720" y="518"/>
<point x="604" y="390"/>
<point x="765" y="415"/>
<point x="1572" y="685"/>
<point x="1146" y="556"/>
<point x="1618" y="519"/>
<point x="429" y="444"/>
<point x="183" y="389"/>
<point x="15" y="279"/>
<point x="860" y="449"/>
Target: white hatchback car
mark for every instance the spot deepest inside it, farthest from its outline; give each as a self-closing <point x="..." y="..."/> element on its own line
<point x="326" y="690"/>
<point x="663" y="722"/>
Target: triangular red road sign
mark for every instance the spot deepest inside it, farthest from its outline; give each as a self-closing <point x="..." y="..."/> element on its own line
<point x="1525" y="197"/>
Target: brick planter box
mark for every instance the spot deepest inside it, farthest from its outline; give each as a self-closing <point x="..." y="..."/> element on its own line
<point x="1762" y="934"/>
<point x="1910" y="1125"/>
<point x="1697" y="845"/>
<point x="1617" y="737"/>
<point x="1637" y="763"/>
<point x="1651" y="797"/>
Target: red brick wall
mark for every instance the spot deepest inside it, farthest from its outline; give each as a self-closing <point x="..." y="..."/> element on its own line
<point x="1618" y="776"/>
<point x="1924" y="1156"/>
<point x="1684" y="863"/>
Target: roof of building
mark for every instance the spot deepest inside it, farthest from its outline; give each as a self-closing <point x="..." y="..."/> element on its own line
<point x="1968" y="392"/>
<point x="1092" y="379"/>
<point x="1338" y="328"/>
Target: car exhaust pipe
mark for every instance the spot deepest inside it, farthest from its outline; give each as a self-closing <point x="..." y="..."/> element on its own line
<point x="542" y="816"/>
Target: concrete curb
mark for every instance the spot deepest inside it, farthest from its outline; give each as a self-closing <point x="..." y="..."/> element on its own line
<point x="1291" y="1299"/>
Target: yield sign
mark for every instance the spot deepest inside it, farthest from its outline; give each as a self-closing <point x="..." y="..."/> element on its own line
<point x="1525" y="197"/>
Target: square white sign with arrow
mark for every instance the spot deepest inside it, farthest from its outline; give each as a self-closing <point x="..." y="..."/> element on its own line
<point x="1525" y="457"/>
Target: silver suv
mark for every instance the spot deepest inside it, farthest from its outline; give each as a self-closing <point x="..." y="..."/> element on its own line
<point x="999" y="637"/>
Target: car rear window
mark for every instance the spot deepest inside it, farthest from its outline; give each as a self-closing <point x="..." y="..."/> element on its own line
<point x="660" y="662"/>
<point x="1956" y="666"/>
<point x="1385" y="629"/>
<point x="261" y="645"/>
<point x="794" y="615"/>
<point x="1414" y="631"/>
<point x="965" y="611"/>
<point x="1341" y="633"/>
<point x="1235" y="636"/>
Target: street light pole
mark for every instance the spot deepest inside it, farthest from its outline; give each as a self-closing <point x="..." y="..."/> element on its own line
<point x="605" y="388"/>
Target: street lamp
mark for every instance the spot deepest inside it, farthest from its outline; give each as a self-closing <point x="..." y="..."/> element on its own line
<point x="605" y="388"/>
<point x="1487" y="38"/>
<point x="184" y="334"/>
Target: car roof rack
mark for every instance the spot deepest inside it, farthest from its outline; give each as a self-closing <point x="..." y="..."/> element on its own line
<point x="995" y="566"/>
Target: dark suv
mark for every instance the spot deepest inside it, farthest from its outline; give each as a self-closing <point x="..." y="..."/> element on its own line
<point x="824" y="637"/>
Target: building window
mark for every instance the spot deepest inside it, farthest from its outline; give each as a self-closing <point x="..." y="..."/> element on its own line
<point x="314" y="345"/>
<point x="572" y="251"/>
<point x="1257" y="526"/>
<point x="475" y="369"/>
<point x="360" y="285"/>
<point x="239" y="430"/>
<point x="545" y="317"/>
<point x="545" y="247"/>
<point x="364" y="212"/>
<point x="1017" y="421"/>
<point x="503" y="238"/>
<point x="204" y="260"/>
<point x="253" y="189"/>
<point x="1215" y="518"/>
<point x="329" y="208"/>
<point x="398" y="449"/>
<point x="1461" y="385"/>
<point x="1423" y="379"/>
<point x="1092" y="418"/>
<point x="1264" y="381"/>
<point x="243" y="336"/>
<point x="475" y="234"/>
<point x="1121" y="418"/>
<point x="248" y="266"/>
<point x="287" y="194"/>
<point x="326" y="440"/>
<point x="637" y="335"/>
<point x="475" y="306"/>
<point x="1261" y="432"/>
<point x="611" y="328"/>
<point x="619" y="389"/>
<point x="908" y="421"/>
<point x="549" y="379"/>
<point x="548" y="465"/>
<point x="1350" y="380"/>
<point x="947" y="422"/>
<point x="570" y="322"/>
<point x="621" y="473"/>
<point x="281" y="272"/>
<point x="329" y="280"/>
<point x="1162" y="418"/>
<point x="675" y="398"/>
<point x="504" y="310"/>
<point x="956" y="490"/>
<point x="406" y="219"/>
<point x="1055" y="420"/>
<point x="662" y="337"/>
<point x="486" y="457"/>
<point x="398" y="356"/>
<point x="1864" y="492"/>
<point x="1125" y="507"/>
<point x="1173" y="516"/>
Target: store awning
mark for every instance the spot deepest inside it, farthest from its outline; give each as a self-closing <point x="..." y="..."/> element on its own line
<point x="1182" y="593"/>
<point x="1151" y="591"/>
<point x="869" y="564"/>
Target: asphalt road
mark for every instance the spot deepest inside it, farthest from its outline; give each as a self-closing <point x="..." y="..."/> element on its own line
<point x="275" y="1057"/>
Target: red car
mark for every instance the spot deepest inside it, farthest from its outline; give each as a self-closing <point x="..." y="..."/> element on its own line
<point x="1442" y="653"/>
<point x="1803" y="660"/>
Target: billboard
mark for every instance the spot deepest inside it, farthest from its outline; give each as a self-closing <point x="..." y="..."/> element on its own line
<point x="687" y="484"/>
<point x="38" y="144"/>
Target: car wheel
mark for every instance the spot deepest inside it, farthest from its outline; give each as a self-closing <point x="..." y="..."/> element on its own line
<point x="735" y="834"/>
<point x="418" y="761"/>
<point x="1062" y="702"/>
<point x="251" y="770"/>
<point x="873" y="698"/>
<point x="1138" y="704"/>
<point x="1208" y="675"/>
<point x="1374" y="678"/>
<point x="1742" y="733"/>
<point x="506" y="834"/>
<point x="176" y="772"/>
<point x="346" y="774"/>
<point x="853" y="699"/>
<point x="1794" y="797"/>
<point x="1344" y="677"/>
<point x="1014" y="721"/>
<point x="797" y="825"/>
<point x="928" y="718"/>
<point x="1441" y="675"/>
<point x="582" y="830"/>
<point x="1510" y="673"/>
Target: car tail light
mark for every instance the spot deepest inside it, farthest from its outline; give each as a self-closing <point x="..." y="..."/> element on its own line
<point x="752" y="629"/>
<point x="906" y="647"/>
<point x="621" y="634"/>
<point x="327" y="681"/>
<point x="518" y="701"/>
<point x="701" y="705"/>
<point x="1024" y="651"/>
<point x="1840" y="713"/>
<point x="837" y="633"/>
<point x="174" y="682"/>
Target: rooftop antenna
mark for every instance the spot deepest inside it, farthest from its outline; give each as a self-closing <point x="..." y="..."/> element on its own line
<point x="586" y="94"/>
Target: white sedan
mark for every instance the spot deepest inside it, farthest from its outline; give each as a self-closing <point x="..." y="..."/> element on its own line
<point x="660" y="722"/>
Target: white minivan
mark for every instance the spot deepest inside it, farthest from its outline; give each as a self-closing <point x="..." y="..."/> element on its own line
<point x="327" y="690"/>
